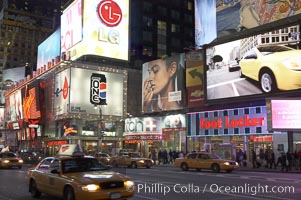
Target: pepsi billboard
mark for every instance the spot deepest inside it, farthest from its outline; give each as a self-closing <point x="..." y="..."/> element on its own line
<point x="98" y="94"/>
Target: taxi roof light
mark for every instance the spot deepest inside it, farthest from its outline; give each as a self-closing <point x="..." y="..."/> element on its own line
<point x="74" y="150"/>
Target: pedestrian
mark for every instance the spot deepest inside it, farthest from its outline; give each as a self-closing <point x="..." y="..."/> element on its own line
<point x="244" y="159"/>
<point x="254" y="159"/>
<point x="170" y="156"/>
<point x="160" y="157"/>
<point x="154" y="156"/>
<point x="289" y="158"/>
<point x="283" y="162"/>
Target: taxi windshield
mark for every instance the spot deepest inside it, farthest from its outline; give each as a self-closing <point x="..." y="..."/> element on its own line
<point x="134" y="155"/>
<point x="81" y="165"/>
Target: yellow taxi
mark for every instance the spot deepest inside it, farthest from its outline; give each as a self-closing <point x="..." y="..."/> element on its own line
<point x="10" y="160"/>
<point x="204" y="160"/>
<point x="130" y="159"/>
<point x="77" y="177"/>
<point x="103" y="157"/>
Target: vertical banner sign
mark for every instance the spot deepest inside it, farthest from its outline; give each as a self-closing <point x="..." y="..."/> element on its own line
<point x="98" y="89"/>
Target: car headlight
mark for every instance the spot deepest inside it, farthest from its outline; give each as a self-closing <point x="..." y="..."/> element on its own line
<point x="90" y="188"/>
<point x="129" y="185"/>
<point x="236" y="163"/>
<point x="20" y="161"/>
<point x="294" y="64"/>
<point x="141" y="161"/>
<point x="226" y="163"/>
<point x="6" y="161"/>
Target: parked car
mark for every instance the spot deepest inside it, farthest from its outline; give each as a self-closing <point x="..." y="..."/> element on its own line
<point x="275" y="67"/>
<point x="130" y="159"/>
<point x="10" y="160"/>
<point x="233" y="65"/>
<point x="204" y="160"/>
<point x="77" y="176"/>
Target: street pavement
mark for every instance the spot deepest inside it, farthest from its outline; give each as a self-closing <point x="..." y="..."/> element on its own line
<point x="249" y="167"/>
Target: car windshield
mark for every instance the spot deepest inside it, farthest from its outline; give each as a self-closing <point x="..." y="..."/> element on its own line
<point x="134" y="155"/>
<point x="214" y="156"/>
<point x="8" y="155"/>
<point x="273" y="49"/>
<point x="82" y="165"/>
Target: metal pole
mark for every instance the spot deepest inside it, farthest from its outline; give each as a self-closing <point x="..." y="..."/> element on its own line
<point x="100" y="130"/>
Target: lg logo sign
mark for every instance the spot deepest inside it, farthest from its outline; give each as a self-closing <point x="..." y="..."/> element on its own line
<point x="110" y="13"/>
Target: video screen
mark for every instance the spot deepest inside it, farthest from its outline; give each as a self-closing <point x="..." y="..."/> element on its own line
<point x="264" y="64"/>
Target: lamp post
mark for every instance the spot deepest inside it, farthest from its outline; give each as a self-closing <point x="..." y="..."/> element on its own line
<point x="100" y="131"/>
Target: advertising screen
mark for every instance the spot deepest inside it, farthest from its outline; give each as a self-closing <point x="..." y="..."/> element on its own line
<point x="80" y="92"/>
<point x="264" y="64"/>
<point x="205" y="21"/>
<point x="105" y="30"/>
<point x="239" y="121"/>
<point x="225" y="18"/>
<point x="49" y="49"/>
<point x="163" y="86"/>
<point x="71" y="25"/>
<point x="195" y="78"/>
<point x="284" y="114"/>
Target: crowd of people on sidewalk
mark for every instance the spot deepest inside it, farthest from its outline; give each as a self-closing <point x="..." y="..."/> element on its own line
<point x="287" y="161"/>
<point x="165" y="157"/>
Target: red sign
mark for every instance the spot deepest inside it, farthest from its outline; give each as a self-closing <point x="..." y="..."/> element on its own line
<point x="109" y="13"/>
<point x="58" y="142"/>
<point x="266" y="138"/>
<point x="231" y="123"/>
<point x="143" y="137"/>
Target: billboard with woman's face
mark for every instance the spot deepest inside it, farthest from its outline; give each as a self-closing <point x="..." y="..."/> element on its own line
<point x="163" y="83"/>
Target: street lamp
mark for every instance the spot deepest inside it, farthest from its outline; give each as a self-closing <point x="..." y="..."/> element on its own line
<point x="100" y="131"/>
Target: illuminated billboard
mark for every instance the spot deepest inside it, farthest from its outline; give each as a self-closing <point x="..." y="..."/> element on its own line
<point x="49" y="49"/>
<point x="195" y="78"/>
<point x="105" y="30"/>
<point x="73" y="95"/>
<point x="71" y="25"/>
<point x="284" y="114"/>
<point x="13" y="106"/>
<point x="163" y="86"/>
<point x="205" y="21"/>
<point x="217" y="19"/>
<point x="255" y="66"/>
<point x="239" y="121"/>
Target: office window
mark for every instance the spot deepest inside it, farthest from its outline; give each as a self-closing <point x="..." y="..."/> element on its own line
<point x="175" y="28"/>
<point x="215" y="132"/>
<point x="206" y="132"/>
<point x="258" y="130"/>
<point x="225" y="113"/>
<point x="247" y="130"/>
<point x="206" y="114"/>
<point x="258" y="109"/>
<point x="147" y="21"/>
<point x="147" y="36"/>
<point x="236" y="130"/>
<point x="235" y="111"/>
<point x="162" y="10"/>
<point x="215" y="114"/>
<point x="175" y="14"/>
<point x="247" y="111"/>
<point x="226" y="131"/>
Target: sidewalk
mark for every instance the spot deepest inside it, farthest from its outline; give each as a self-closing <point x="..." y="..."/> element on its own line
<point x="250" y="168"/>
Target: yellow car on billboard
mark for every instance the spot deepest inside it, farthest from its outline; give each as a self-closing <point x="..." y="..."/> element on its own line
<point x="204" y="160"/>
<point x="275" y="67"/>
<point x="78" y="177"/>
